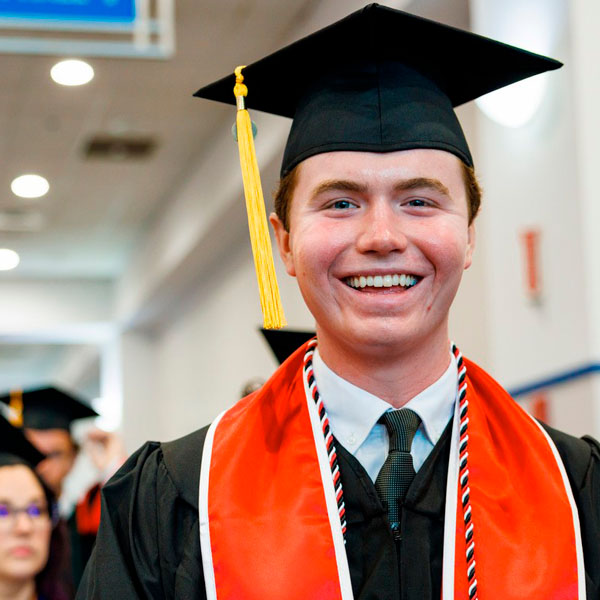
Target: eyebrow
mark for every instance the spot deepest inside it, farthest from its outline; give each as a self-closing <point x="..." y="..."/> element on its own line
<point x="338" y="185"/>
<point x="344" y="185"/>
<point x="422" y="182"/>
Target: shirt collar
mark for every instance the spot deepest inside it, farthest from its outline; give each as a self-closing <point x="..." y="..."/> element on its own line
<point x="353" y="412"/>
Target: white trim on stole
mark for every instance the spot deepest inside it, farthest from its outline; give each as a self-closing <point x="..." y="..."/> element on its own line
<point x="207" y="560"/>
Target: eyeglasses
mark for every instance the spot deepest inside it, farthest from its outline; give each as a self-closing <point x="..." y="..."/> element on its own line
<point x="38" y="515"/>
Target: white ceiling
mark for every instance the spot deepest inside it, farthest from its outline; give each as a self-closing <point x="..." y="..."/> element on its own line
<point x="96" y="206"/>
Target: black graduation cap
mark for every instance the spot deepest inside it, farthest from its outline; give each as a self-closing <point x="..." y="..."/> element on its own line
<point x="15" y="447"/>
<point x="378" y="80"/>
<point x="284" y="342"/>
<point x="49" y="408"/>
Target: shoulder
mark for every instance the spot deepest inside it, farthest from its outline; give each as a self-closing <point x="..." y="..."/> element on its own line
<point x="182" y="458"/>
<point x="579" y="455"/>
<point x="167" y="468"/>
<point x="148" y="544"/>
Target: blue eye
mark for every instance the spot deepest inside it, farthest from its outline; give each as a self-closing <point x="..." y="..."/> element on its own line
<point x="4" y="510"/>
<point x="342" y="204"/>
<point x="417" y="202"/>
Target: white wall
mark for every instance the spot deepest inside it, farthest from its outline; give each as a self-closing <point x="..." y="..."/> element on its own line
<point x="37" y="305"/>
<point x="532" y="180"/>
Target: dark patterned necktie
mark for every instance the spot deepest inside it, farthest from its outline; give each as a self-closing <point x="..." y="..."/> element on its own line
<point x="398" y="470"/>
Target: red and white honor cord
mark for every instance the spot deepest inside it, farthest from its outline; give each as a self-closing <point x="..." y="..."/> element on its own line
<point x="329" y="440"/>
<point x="463" y="471"/>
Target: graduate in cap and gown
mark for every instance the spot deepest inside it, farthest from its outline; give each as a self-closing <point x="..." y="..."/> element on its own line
<point x="46" y="415"/>
<point x="32" y="548"/>
<point x="377" y="461"/>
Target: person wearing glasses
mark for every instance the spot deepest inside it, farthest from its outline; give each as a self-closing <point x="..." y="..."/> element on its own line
<point x="32" y="548"/>
<point x="46" y="415"/>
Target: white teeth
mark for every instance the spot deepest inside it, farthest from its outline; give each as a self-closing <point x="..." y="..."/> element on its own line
<point x="378" y="281"/>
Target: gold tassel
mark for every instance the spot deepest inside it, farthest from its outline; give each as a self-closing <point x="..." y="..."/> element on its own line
<point x="270" y="300"/>
<point x="15" y="408"/>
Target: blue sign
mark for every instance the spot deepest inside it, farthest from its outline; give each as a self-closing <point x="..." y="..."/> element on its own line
<point x="95" y="11"/>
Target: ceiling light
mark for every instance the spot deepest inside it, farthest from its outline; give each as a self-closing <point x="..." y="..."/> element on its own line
<point x="9" y="259"/>
<point x="30" y="186"/>
<point x="516" y="104"/>
<point x="72" y="72"/>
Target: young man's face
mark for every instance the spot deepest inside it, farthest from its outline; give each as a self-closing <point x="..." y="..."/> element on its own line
<point x="361" y="220"/>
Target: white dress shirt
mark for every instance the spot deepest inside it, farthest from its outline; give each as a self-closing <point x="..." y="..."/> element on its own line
<point x="353" y="414"/>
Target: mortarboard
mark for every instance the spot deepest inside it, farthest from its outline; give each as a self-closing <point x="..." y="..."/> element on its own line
<point x="47" y="408"/>
<point x="284" y="342"/>
<point x="14" y="445"/>
<point x="379" y="80"/>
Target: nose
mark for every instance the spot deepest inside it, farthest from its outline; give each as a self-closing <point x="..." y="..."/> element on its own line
<point x="382" y="231"/>
<point x="23" y="524"/>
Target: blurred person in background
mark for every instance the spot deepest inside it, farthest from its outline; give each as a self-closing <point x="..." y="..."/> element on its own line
<point x="106" y="452"/>
<point x="33" y="550"/>
<point x="46" y="415"/>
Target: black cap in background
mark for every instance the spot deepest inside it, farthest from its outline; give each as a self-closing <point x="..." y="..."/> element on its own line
<point x="284" y="342"/>
<point x="49" y="408"/>
<point x="377" y="81"/>
<point x="14" y="446"/>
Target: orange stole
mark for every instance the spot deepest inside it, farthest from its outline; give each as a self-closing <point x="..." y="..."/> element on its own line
<point x="525" y="527"/>
<point x="270" y="532"/>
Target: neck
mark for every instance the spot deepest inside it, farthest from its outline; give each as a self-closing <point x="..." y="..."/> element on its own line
<point x="18" y="590"/>
<point x="395" y="375"/>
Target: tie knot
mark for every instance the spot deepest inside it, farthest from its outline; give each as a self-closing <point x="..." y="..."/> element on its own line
<point x="401" y="426"/>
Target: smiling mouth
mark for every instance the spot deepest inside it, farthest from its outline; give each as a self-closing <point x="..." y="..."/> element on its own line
<point x="397" y="280"/>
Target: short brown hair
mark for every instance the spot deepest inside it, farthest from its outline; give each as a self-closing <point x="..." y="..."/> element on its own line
<point x="287" y="185"/>
<point x="473" y="191"/>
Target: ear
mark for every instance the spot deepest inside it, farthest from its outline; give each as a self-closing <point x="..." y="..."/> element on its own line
<point x="283" y="243"/>
<point x="470" y="245"/>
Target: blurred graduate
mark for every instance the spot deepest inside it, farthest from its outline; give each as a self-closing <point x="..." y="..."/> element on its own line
<point x="377" y="462"/>
<point x="46" y="415"/>
<point x="33" y="550"/>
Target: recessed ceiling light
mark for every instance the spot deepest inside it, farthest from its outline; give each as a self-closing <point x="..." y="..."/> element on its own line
<point x="9" y="259"/>
<point x="72" y="72"/>
<point x="30" y="186"/>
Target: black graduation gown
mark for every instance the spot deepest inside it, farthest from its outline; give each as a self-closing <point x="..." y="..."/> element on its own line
<point x="148" y="543"/>
<point x="82" y="544"/>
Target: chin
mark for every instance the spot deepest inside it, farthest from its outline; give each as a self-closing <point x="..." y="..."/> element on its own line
<point x="24" y="571"/>
<point x="386" y="337"/>
<point x="372" y="335"/>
